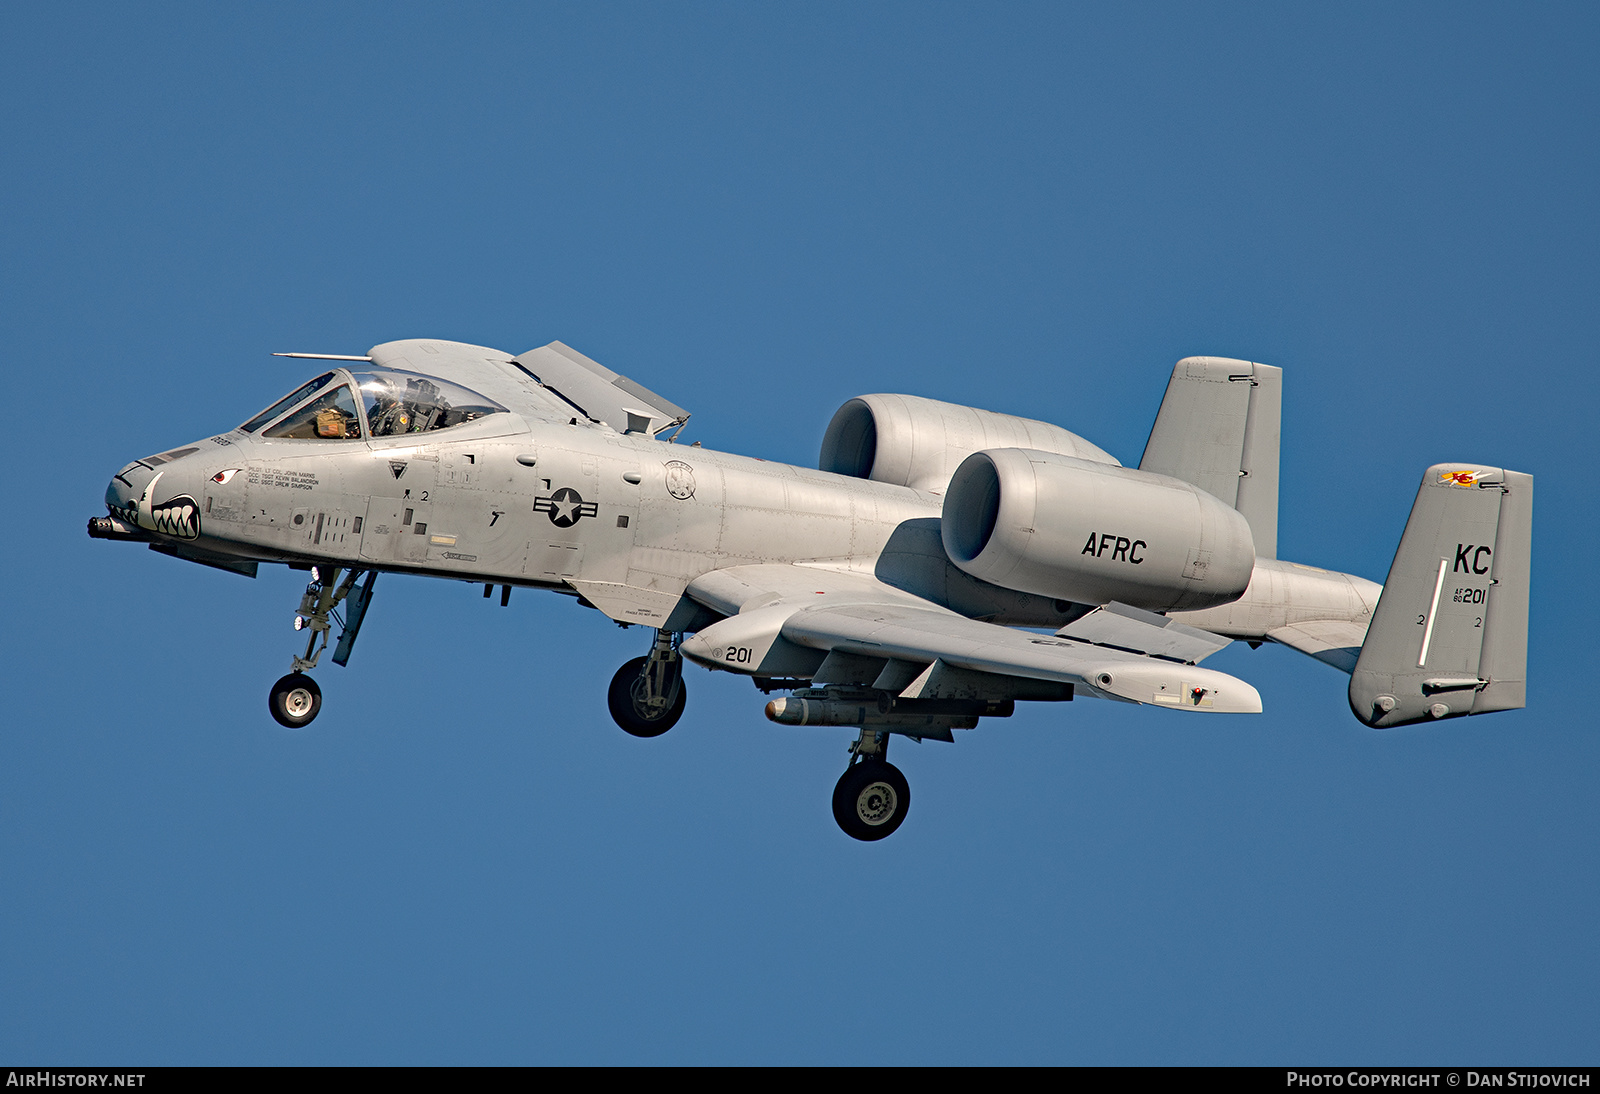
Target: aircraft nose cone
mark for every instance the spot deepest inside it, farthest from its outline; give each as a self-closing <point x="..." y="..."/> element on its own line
<point x="122" y="492"/>
<point x="159" y="494"/>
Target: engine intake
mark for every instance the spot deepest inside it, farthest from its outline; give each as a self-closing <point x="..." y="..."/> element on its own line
<point x="1073" y="529"/>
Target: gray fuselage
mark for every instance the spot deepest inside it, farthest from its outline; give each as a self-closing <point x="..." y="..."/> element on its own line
<point x="502" y="501"/>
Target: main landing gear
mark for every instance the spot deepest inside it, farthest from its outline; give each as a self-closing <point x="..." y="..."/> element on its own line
<point x="647" y="695"/>
<point x="872" y="796"/>
<point x="295" y="699"/>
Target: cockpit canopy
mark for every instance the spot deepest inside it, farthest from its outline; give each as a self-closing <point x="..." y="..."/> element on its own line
<point x="339" y="404"/>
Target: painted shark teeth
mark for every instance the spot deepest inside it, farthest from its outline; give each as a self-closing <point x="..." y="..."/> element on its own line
<point x="178" y="517"/>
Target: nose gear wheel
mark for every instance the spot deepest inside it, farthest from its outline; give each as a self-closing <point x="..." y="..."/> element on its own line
<point x="295" y="700"/>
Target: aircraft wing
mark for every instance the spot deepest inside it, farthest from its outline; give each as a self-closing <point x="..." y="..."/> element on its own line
<point x="603" y="395"/>
<point x="838" y="627"/>
<point x="554" y="383"/>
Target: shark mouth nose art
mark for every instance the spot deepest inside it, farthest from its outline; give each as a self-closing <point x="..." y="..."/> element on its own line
<point x="178" y="517"/>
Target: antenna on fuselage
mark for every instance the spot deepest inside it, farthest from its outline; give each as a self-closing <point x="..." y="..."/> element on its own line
<point x="324" y="356"/>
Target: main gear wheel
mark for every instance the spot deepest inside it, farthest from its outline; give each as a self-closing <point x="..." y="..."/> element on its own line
<point x="629" y="700"/>
<point x="871" y="799"/>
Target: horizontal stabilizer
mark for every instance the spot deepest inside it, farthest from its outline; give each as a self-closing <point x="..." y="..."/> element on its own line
<point x="1450" y="633"/>
<point x="1335" y="642"/>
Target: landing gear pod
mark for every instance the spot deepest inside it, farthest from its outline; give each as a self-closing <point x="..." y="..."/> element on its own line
<point x="1092" y="533"/>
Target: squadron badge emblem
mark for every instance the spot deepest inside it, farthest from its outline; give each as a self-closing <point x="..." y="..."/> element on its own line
<point x="680" y="480"/>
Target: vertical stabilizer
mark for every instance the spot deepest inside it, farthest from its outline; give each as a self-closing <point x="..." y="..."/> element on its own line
<point x="1218" y="428"/>
<point x="1450" y="633"/>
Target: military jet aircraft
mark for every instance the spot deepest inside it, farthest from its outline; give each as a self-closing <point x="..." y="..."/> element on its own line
<point x="940" y="565"/>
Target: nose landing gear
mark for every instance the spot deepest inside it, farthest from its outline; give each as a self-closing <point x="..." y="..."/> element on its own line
<point x="295" y="699"/>
<point x="872" y="797"/>
<point x="647" y="695"/>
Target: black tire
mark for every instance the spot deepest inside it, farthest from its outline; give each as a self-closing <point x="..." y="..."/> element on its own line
<point x="628" y="711"/>
<point x="871" y="800"/>
<point x="295" y="700"/>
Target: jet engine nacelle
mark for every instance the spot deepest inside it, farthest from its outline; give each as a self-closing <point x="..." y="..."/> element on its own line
<point x="1089" y="532"/>
<point x="910" y="441"/>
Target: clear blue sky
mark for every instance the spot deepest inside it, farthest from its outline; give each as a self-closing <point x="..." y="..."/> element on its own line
<point x="761" y="210"/>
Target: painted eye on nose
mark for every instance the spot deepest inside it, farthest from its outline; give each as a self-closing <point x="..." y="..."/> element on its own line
<point x="224" y="476"/>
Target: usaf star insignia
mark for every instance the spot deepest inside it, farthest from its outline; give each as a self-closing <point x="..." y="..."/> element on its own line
<point x="566" y="506"/>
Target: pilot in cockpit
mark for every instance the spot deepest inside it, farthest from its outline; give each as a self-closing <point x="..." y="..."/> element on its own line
<point x="332" y="417"/>
<point x="396" y="403"/>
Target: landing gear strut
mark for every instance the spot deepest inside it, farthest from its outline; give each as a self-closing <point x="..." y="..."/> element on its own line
<point x="295" y="699"/>
<point x="872" y="796"/>
<point x="647" y="695"/>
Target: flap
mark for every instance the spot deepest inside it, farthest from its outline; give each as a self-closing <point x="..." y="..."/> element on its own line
<point x="1122" y="627"/>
